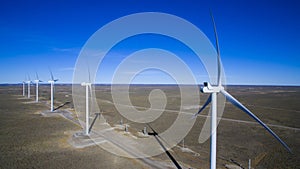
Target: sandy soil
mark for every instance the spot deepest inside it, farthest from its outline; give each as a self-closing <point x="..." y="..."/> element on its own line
<point x="29" y="140"/>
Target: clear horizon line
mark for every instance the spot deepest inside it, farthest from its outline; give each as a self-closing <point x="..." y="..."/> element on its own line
<point x="69" y="83"/>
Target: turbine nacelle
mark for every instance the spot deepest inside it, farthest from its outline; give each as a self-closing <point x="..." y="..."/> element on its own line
<point x="52" y="81"/>
<point x="207" y="88"/>
<point x="37" y="81"/>
<point x="86" y="84"/>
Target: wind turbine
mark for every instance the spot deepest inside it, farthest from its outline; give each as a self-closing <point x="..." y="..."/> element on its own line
<point x="219" y="89"/>
<point x="28" y="83"/>
<point x="37" y="87"/>
<point x="52" y="85"/>
<point x="88" y="86"/>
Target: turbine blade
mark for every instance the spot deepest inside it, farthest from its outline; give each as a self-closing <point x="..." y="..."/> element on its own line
<point x="91" y="92"/>
<point x="37" y="76"/>
<point x="218" y="49"/>
<point x="91" y="98"/>
<point x="243" y="108"/>
<point x="52" y="78"/>
<point x="203" y="107"/>
<point x="89" y="74"/>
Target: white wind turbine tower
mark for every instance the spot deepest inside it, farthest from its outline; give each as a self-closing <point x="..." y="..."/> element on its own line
<point x="88" y="86"/>
<point x="219" y="89"/>
<point x="24" y="86"/>
<point x="28" y="83"/>
<point x="52" y="85"/>
<point x="37" y="81"/>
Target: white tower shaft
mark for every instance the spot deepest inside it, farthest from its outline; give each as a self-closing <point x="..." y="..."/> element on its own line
<point x="51" y="96"/>
<point x="249" y="164"/>
<point x="37" y="92"/>
<point x="28" y="90"/>
<point x="87" y="109"/>
<point x="23" y="89"/>
<point x="213" y="144"/>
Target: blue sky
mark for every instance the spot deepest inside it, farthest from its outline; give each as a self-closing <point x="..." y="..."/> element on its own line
<point x="259" y="40"/>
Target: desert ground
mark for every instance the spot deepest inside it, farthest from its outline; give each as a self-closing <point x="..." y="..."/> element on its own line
<point x="30" y="140"/>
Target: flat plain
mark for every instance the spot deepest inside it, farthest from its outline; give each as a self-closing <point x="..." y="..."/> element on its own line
<point x="30" y="140"/>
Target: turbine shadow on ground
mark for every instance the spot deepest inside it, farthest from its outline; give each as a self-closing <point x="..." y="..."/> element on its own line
<point x="155" y="134"/>
<point x="97" y="115"/>
<point x="62" y="105"/>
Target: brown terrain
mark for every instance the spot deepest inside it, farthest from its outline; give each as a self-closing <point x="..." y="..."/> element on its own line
<point x="30" y="140"/>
